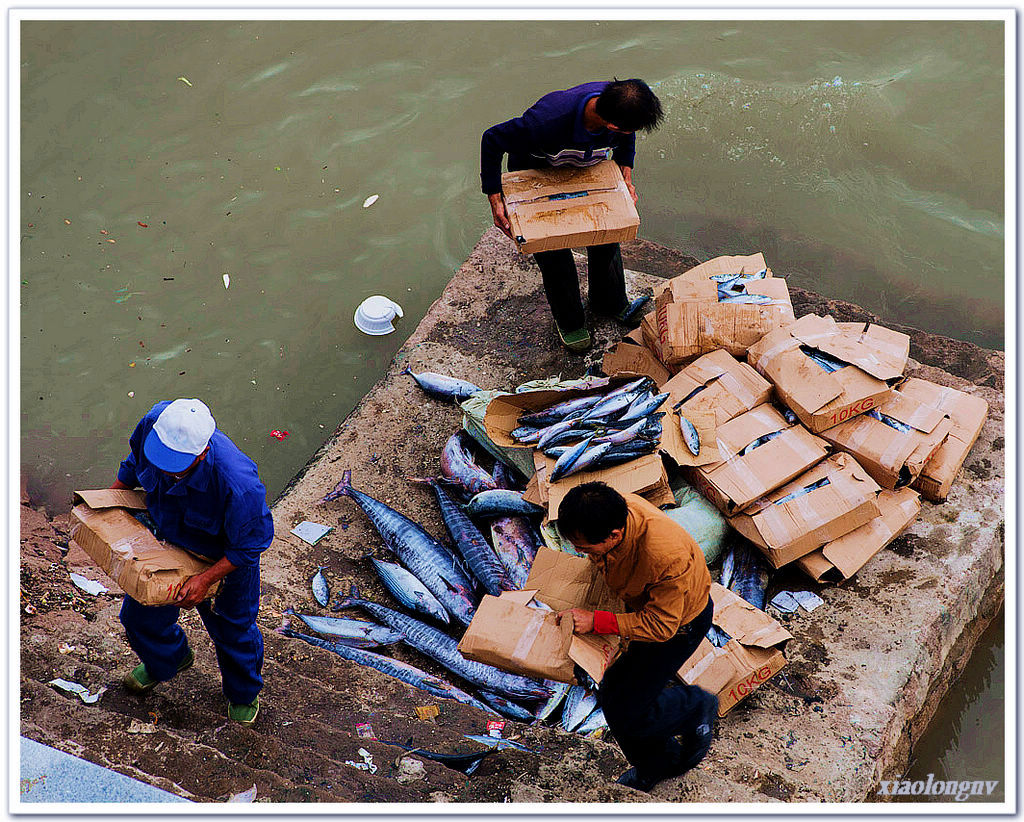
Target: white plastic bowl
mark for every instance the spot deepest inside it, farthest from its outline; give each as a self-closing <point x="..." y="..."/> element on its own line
<point x="374" y="315"/>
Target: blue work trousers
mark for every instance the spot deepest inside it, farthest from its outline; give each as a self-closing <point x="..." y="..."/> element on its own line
<point x="230" y="619"/>
<point x="643" y="712"/>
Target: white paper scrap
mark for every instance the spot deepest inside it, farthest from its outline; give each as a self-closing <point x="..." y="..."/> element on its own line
<point x="81" y="690"/>
<point x="88" y="585"/>
<point x="311" y="532"/>
<point x="227" y="280"/>
<point x="808" y="599"/>
<point x="369" y="201"/>
<point x="785" y="602"/>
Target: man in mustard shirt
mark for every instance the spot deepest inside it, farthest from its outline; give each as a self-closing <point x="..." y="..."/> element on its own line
<point x="659" y="572"/>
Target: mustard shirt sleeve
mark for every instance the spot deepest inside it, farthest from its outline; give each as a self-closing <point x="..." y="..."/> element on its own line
<point x="661" y="616"/>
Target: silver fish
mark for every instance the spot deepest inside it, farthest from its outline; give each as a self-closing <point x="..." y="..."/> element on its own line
<point x="728" y="565"/>
<point x="892" y="422"/>
<point x="725" y="278"/>
<point x="569" y="458"/>
<point x="458" y="465"/>
<point x="407" y="589"/>
<point x="443" y="649"/>
<point x="751" y="299"/>
<point x="801" y="491"/>
<point x="501" y="503"/>
<point x="355" y="632"/>
<point x="321" y="591"/>
<point x="592" y="723"/>
<point x="506" y="707"/>
<point x="623" y="435"/>
<point x="746" y="449"/>
<point x="718" y="637"/>
<point x="515" y="541"/>
<point x="430" y="561"/>
<point x="497" y="742"/>
<point x="751" y="575"/>
<point x="442" y="387"/>
<point x="826" y="361"/>
<point x="579" y="703"/>
<point x="587" y="459"/>
<point x="526" y="434"/>
<point x="559" y="690"/>
<point x="611" y="406"/>
<point x="559" y="411"/>
<point x="636" y="411"/>
<point x="690" y="436"/>
<point x="409" y="674"/>
<point x="788" y="415"/>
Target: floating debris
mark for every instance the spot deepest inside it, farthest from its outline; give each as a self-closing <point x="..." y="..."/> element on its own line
<point x="185" y="81"/>
<point x="227" y="279"/>
<point x="369" y="201"/>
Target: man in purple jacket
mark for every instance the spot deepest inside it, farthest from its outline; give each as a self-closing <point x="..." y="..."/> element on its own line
<point x="579" y="126"/>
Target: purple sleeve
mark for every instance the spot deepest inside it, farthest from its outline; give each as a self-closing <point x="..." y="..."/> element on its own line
<point x="511" y="136"/>
<point x="625" y="152"/>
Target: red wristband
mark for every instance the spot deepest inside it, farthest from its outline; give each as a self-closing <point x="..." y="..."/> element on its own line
<point x="605" y="623"/>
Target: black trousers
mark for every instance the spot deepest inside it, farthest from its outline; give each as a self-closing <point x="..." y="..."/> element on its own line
<point x="605" y="279"/>
<point x="644" y="715"/>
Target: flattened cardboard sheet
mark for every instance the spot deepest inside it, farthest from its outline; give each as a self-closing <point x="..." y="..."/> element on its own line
<point x="843" y="557"/>
<point x="792" y="521"/>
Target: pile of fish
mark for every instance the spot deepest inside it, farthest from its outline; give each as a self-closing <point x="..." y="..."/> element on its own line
<point x="732" y="288"/>
<point x="596" y="430"/>
<point x="494" y="539"/>
<point x="747" y="573"/>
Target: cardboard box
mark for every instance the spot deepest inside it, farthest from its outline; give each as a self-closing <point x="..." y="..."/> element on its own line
<point x="785" y="531"/>
<point x="568" y="207"/>
<point x="691" y="321"/>
<point x="753" y="655"/>
<point x="843" y="557"/>
<point x="967" y="414"/>
<point x="822" y="399"/>
<point x="731" y="386"/>
<point x="504" y="632"/>
<point x="894" y="458"/>
<point x="644" y="476"/>
<point x="735" y="482"/>
<point x="148" y="570"/>
<point x="627" y="359"/>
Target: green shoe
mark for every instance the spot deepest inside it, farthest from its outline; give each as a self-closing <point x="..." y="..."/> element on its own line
<point x="576" y="341"/>
<point x="244" y="714"/>
<point x="139" y="680"/>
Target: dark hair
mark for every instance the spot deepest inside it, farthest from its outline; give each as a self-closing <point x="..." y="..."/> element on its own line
<point x="630" y="105"/>
<point x="592" y="511"/>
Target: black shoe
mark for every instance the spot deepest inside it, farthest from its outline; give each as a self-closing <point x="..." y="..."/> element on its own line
<point x="634" y="312"/>
<point x="631" y="780"/>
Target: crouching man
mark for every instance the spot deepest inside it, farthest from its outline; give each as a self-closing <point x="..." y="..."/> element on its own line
<point x="205" y="496"/>
<point x="659" y="572"/>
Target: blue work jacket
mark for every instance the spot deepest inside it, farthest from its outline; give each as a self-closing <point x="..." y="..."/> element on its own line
<point x="218" y="510"/>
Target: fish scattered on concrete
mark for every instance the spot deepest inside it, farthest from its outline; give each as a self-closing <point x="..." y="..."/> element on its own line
<point x="407" y="673"/>
<point x="458" y="466"/>
<point x="321" y="590"/>
<point x="355" y="632"/>
<point x="430" y="561"/>
<point x="579" y="703"/>
<point x="498" y="743"/>
<point x="690" y="436"/>
<point x="407" y="589"/>
<point x="501" y="502"/>
<point x="559" y="690"/>
<point x="444" y="650"/>
<point x="443" y="387"/>
<point x="475" y="550"/>
<point x="505" y="707"/>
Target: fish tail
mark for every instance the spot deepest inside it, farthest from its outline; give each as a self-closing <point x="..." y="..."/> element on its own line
<point x="342" y="489"/>
<point x="406" y="370"/>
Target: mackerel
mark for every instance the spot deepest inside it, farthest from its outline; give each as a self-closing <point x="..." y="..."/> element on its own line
<point x="444" y="650"/>
<point x="515" y="542"/>
<point x="690" y="436"/>
<point x="751" y="575"/>
<point x="642" y="409"/>
<point x="586" y="460"/>
<point x="560" y="689"/>
<point x="471" y="544"/>
<point x="565" y="462"/>
<point x="407" y="589"/>
<point x="409" y="674"/>
<point x="506" y="707"/>
<point x="611" y="406"/>
<point x="501" y="503"/>
<point x="560" y="411"/>
<point x="321" y="591"/>
<point x="579" y="703"/>
<point x="457" y="465"/>
<point x="443" y="387"/>
<point x="433" y="564"/>
<point x="592" y="723"/>
<point x="356" y="633"/>
<point x="622" y="436"/>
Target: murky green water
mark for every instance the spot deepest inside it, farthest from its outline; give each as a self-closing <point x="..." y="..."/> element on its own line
<point x="864" y="158"/>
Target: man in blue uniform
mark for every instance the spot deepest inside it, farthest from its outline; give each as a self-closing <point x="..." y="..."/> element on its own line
<point x="204" y="495"/>
<point x="579" y="126"/>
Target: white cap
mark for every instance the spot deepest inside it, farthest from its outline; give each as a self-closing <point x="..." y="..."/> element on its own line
<point x="180" y="434"/>
<point x="374" y="315"/>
